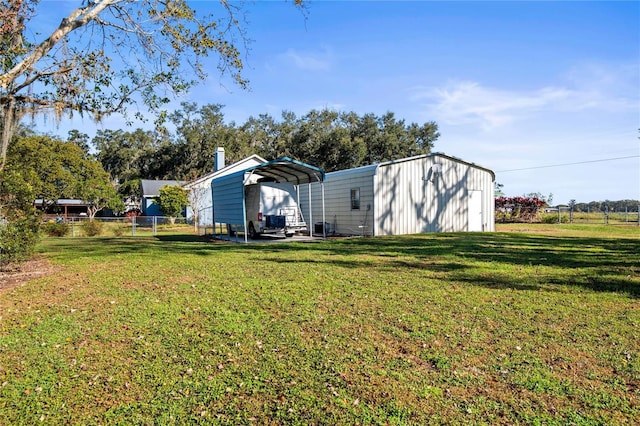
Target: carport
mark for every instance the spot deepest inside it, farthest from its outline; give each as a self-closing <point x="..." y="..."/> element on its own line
<point x="228" y="194"/>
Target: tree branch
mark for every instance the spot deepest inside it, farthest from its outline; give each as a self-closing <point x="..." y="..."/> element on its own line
<point x="29" y="81"/>
<point x="76" y="19"/>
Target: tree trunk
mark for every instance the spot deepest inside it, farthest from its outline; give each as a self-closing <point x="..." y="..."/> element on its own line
<point x="10" y="120"/>
<point x="92" y="212"/>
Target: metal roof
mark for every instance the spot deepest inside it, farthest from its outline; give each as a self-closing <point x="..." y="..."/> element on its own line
<point x="441" y="154"/>
<point x="256" y="159"/>
<point x="151" y="188"/>
<point x="287" y="169"/>
<point x="373" y="168"/>
<point x="64" y="202"/>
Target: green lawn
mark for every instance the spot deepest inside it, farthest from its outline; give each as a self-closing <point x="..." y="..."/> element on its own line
<point x="540" y="326"/>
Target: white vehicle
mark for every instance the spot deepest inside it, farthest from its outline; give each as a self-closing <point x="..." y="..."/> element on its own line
<point x="272" y="208"/>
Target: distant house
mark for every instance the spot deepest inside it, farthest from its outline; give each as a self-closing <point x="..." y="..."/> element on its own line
<point x="151" y="192"/>
<point x="63" y="208"/>
<point x="200" y="189"/>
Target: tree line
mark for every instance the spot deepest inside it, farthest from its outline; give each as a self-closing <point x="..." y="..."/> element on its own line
<point x="606" y="205"/>
<point x="108" y="168"/>
<point x="325" y="138"/>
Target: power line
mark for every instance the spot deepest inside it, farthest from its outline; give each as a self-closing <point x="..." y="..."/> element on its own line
<point x="570" y="164"/>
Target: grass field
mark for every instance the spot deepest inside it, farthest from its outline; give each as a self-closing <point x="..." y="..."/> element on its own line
<point x="532" y="325"/>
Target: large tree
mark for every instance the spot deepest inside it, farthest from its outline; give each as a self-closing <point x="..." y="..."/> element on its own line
<point x="56" y="169"/>
<point x="126" y="155"/>
<point x="107" y="55"/>
<point x="328" y="139"/>
<point x="199" y="132"/>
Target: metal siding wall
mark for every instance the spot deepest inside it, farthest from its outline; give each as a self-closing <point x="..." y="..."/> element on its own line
<point x="407" y="202"/>
<point x="205" y="203"/>
<point x="202" y="194"/>
<point x="341" y="218"/>
<point x="227" y="194"/>
<point x="451" y="190"/>
<point x="403" y="201"/>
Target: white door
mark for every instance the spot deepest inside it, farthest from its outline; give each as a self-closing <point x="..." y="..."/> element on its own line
<point x="475" y="211"/>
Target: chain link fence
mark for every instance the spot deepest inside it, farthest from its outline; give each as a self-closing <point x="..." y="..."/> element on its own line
<point x="565" y="214"/>
<point x="135" y="226"/>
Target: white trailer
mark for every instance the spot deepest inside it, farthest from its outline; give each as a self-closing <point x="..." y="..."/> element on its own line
<point x="272" y="208"/>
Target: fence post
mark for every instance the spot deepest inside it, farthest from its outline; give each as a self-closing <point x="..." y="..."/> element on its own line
<point x="133" y="226"/>
<point x="153" y="225"/>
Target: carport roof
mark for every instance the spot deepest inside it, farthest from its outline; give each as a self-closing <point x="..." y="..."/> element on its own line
<point x="287" y="169"/>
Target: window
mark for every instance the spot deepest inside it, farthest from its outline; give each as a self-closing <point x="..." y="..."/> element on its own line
<point x="355" y="199"/>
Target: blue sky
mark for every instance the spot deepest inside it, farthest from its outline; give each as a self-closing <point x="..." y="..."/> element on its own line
<point x="514" y="86"/>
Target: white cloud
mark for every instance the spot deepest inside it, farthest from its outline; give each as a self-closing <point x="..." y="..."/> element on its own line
<point x="606" y="87"/>
<point x="308" y="61"/>
<point x="587" y="88"/>
<point x="469" y="102"/>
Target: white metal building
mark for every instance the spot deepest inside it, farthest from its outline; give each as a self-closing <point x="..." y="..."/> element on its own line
<point x="200" y="189"/>
<point x="427" y="193"/>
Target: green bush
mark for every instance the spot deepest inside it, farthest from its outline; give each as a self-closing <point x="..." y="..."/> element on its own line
<point x="119" y="230"/>
<point x="19" y="220"/>
<point x="18" y="240"/>
<point x="56" y="229"/>
<point x="553" y="218"/>
<point x="92" y="228"/>
<point x="115" y="228"/>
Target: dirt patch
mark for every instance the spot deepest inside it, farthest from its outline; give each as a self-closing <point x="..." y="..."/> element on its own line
<point x="27" y="271"/>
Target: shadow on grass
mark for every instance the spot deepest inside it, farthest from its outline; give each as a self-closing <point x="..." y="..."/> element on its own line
<point x="602" y="264"/>
<point x="598" y="264"/>
<point x="102" y="247"/>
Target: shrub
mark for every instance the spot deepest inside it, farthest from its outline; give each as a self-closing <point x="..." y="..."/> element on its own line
<point x="172" y="200"/>
<point x="56" y="229"/>
<point x="92" y="228"/>
<point x="132" y="213"/>
<point x="553" y="218"/>
<point x="119" y="230"/>
<point x="518" y="209"/>
<point x="19" y="220"/>
<point x="18" y="239"/>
